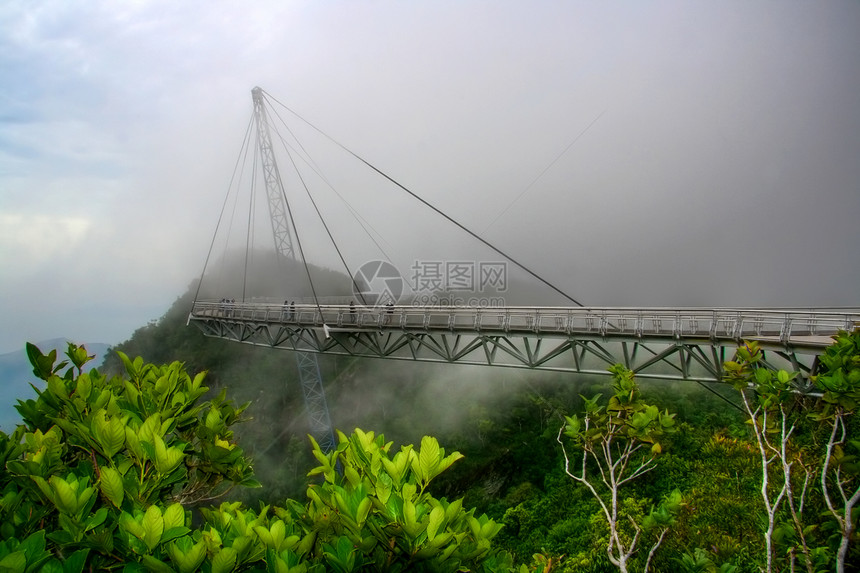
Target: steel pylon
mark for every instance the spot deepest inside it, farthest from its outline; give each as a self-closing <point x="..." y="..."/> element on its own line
<point x="313" y="392"/>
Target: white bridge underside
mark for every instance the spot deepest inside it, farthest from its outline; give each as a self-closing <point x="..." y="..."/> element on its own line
<point x="662" y="343"/>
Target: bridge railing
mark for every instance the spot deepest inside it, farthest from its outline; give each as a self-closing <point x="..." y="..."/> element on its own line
<point x="775" y="325"/>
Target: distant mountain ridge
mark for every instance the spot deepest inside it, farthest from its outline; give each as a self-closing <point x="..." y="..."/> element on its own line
<point x="16" y="375"/>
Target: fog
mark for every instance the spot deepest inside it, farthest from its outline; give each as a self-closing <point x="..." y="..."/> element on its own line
<point x="660" y="154"/>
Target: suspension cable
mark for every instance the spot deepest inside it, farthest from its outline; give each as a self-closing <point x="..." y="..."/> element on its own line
<point x="224" y="205"/>
<point x="435" y="209"/>
<point x="349" y="272"/>
<point x="248" y="239"/>
<point x="308" y="160"/>
<point x="300" y="249"/>
<point x="541" y="174"/>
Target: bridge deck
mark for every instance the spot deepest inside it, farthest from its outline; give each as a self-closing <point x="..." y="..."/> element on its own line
<point x="790" y="328"/>
<point x="661" y="343"/>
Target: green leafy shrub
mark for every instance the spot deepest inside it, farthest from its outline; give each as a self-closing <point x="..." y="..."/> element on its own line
<point x="103" y="472"/>
<point x="622" y="440"/>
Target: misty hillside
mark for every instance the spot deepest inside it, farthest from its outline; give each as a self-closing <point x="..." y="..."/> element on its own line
<point x="264" y="274"/>
<point x="504" y="421"/>
<point x="403" y="400"/>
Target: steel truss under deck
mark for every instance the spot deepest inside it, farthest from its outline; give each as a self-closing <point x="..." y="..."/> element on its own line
<point x="672" y="344"/>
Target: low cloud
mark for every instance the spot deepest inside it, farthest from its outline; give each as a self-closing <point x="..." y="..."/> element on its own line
<point x="30" y="242"/>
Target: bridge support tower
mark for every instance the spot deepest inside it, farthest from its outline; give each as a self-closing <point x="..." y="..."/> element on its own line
<point x="313" y="392"/>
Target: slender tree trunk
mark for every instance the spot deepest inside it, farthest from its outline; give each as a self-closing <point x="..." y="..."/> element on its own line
<point x="846" y="524"/>
<point x="842" y="553"/>
<point x="654" y="549"/>
<point x="789" y="495"/>
<point x="771" y="508"/>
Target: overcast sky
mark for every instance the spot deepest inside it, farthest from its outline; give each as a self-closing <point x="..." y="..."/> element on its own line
<point x="719" y="164"/>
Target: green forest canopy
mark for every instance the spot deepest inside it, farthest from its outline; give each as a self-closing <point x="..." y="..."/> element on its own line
<point x="506" y="424"/>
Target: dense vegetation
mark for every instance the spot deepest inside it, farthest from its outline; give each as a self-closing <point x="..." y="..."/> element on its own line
<point x="762" y="483"/>
<point x="102" y="472"/>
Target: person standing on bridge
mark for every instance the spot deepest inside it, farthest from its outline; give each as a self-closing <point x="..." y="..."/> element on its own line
<point x="389" y="310"/>
<point x="352" y="311"/>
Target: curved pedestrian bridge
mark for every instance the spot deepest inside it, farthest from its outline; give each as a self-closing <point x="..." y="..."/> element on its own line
<point x="669" y="343"/>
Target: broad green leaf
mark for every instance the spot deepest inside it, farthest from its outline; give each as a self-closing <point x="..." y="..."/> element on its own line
<point x="133" y="444"/>
<point x="174" y="516"/>
<point x="213" y="419"/>
<point x="14" y="562"/>
<point x="437" y="518"/>
<point x="351" y="475"/>
<point x="224" y="560"/>
<point x="186" y="555"/>
<point x="128" y="523"/>
<point x="279" y="532"/>
<point x="83" y="387"/>
<point x="34" y="546"/>
<point x="156" y="565"/>
<point x="428" y="457"/>
<point x="57" y="387"/>
<point x="102" y="400"/>
<point x="448" y="461"/>
<point x="162" y="384"/>
<point x="307" y="543"/>
<point x="78" y="355"/>
<point x="265" y="536"/>
<point x="131" y="392"/>
<point x="364" y="507"/>
<point x="410" y="519"/>
<point x="44" y="486"/>
<point x="174" y="533"/>
<point x="65" y="497"/>
<point x="153" y="527"/>
<point x="111" y="485"/>
<point x="251" y="482"/>
<point x="96" y="519"/>
<point x="166" y="459"/>
<point x="398" y="467"/>
<point x="110" y="434"/>
<point x="241" y="544"/>
<point x="197" y="383"/>
<point x="75" y="562"/>
<point x="453" y="509"/>
<point x="149" y="428"/>
<point x="52" y="566"/>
